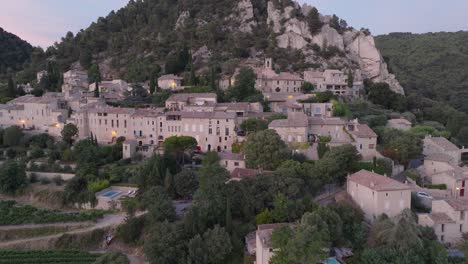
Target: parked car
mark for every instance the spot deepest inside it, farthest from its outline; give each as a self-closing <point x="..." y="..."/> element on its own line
<point x="424" y="195"/>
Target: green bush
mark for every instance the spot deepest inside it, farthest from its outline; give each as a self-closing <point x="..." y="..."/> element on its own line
<point x="58" y="256"/>
<point x="98" y="185"/>
<point x="436" y="186"/>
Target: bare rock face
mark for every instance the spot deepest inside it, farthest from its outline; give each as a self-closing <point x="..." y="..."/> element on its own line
<point x="362" y="49"/>
<point x="181" y="19"/>
<point x="274" y="17"/>
<point x="328" y="36"/>
<point x="246" y="15"/>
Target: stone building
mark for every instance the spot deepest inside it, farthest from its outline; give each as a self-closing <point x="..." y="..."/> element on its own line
<point x="399" y="123"/>
<point x="170" y="82"/>
<point x="448" y="218"/>
<point x="334" y="81"/>
<point x="376" y="194"/>
<point x="46" y="114"/>
<point x="75" y="80"/>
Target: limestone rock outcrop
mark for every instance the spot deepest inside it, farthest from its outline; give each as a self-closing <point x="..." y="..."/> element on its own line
<point x="359" y="48"/>
<point x="246" y="15"/>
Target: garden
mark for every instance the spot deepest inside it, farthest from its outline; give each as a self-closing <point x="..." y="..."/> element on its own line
<point x="12" y="213"/>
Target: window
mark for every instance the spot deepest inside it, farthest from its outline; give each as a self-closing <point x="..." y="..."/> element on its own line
<point x="462" y="215"/>
<point x="386" y="194"/>
<point x="442" y="227"/>
<point x="112" y="122"/>
<point x="371" y="146"/>
<point x="125" y="123"/>
<point x="210" y="131"/>
<point x="227" y="131"/>
<point x="461" y="227"/>
<point x="442" y="238"/>
<point x="237" y="164"/>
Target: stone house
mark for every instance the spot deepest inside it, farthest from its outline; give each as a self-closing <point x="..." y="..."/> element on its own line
<point x="376" y="194"/>
<point x="170" y="82"/>
<point x="46" y="114"/>
<point x="75" y="80"/>
<point x="436" y="145"/>
<point x="178" y="101"/>
<point x="449" y="219"/>
<point x="335" y="81"/>
<point x="231" y="161"/>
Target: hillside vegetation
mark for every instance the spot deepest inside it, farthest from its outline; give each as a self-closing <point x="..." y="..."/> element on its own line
<point x="434" y="65"/>
<point x="13" y="52"/>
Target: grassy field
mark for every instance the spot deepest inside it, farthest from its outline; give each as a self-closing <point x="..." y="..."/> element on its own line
<point x="12" y="213"/>
<point x="47" y="257"/>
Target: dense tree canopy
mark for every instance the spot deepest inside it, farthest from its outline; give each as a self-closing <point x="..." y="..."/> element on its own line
<point x="265" y="150"/>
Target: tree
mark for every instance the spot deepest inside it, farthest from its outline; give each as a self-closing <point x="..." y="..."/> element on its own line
<point x="253" y="125"/>
<point x="85" y="58"/>
<point x="166" y="244"/>
<point x="159" y="204"/>
<point x="152" y="85"/>
<point x="264" y="217"/>
<point x="12" y="136"/>
<point x="350" y="79"/>
<point x="213" y="247"/>
<point x="313" y="19"/>
<point x="463" y="136"/>
<point x="12" y="177"/>
<point x="11" y="90"/>
<point x="178" y="146"/>
<point x="244" y="86"/>
<point x="95" y="77"/>
<point x="307" y="87"/>
<point x="69" y="131"/>
<point x="303" y="244"/>
<point x="130" y="231"/>
<point x="265" y="150"/>
<point x="185" y="184"/>
<point x="336" y="163"/>
<point x="399" y="145"/>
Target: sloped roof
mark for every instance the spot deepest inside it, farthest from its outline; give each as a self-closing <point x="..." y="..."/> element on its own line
<point x="444" y="143"/>
<point x="362" y="131"/>
<point x="458" y="204"/>
<point x="376" y="182"/>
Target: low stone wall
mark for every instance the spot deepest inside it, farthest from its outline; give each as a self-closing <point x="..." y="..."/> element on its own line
<point x="51" y="175"/>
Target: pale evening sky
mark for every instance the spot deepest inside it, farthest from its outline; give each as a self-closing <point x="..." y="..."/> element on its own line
<point x="42" y="22"/>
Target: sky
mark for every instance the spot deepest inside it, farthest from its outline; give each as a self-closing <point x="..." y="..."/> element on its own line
<point x="43" y="22"/>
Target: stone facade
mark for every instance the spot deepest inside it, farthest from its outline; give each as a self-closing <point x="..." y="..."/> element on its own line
<point x="376" y="194"/>
<point x="170" y="82"/>
<point x="449" y="219"/>
<point x="334" y="81"/>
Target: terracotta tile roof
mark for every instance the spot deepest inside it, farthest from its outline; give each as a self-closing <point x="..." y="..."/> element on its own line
<point x="183" y="97"/>
<point x="458" y="204"/>
<point x="376" y="182"/>
<point x="440" y="218"/>
<point x="326" y="121"/>
<point x="439" y="157"/>
<point x="444" y="143"/>
<point x="204" y="115"/>
<point x="362" y="131"/>
<point x="230" y="156"/>
<point x="298" y="121"/>
<point x="264" y="233"/>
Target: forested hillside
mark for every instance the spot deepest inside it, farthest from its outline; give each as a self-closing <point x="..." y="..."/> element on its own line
<point x="433" y="68"/>
<point x="434" y="65"/>
<point x="13" y="52"/>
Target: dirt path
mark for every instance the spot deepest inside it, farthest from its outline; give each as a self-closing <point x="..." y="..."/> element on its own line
<point x="107" y="221"/>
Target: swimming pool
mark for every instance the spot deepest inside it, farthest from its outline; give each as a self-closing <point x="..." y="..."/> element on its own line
<point x="332" y="261"/>
<point x="110" y="194"/>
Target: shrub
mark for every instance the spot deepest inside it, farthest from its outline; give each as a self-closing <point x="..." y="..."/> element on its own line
<point x="58" y="180"/>
<point x="436" y="186"/>
<point x="130" y="231"/>
<point x="98" y="185"/>
<point x="33" y="178"/>
<point x="45" y="181"/>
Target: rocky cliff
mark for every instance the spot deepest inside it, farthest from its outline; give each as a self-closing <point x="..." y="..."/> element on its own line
<point x="358" y="47"/>
<point x="153" y="35"/>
